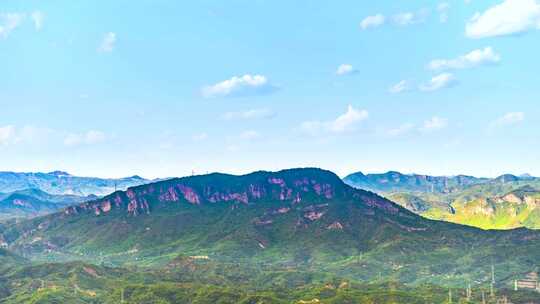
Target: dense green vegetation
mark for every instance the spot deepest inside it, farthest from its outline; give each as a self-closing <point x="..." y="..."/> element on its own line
<point x="505" y="202"/>
<point x="285" y="237"/>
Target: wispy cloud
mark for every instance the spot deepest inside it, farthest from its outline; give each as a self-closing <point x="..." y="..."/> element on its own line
<point x="372" y="21"/>
<point x="400" y="87"/>
<point x="472" y="59"/>
<point x="409" y="18"/>
<point x="433" y="124"/>
<point x="443" y="8"/>
<point x="507" y="18"/>
<point x="401" y="130"/>
<point x="11" y="135"/>
<point x="343" y="123"/>
<point x="249" y="114"/>
<point x="7" y="135"/>
<point x="38" y="18"/>
<point x="239" y="86"/>
<point x="346" y="69"/>
<point x="508" y="119"/>
<point x="9" y="22"/>
<point x="108" y="43"/>
<point x="200" y="136"/>
<point x="438" y="82"/>
<point x="250" y="135"/>
<point x="87" y="138"/>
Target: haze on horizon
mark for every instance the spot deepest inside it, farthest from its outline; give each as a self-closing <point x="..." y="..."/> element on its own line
<point x="167" y="88"/>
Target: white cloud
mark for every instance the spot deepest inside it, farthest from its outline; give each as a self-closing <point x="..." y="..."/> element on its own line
<point x="372" y="21"/>
<point x="343" y="123"/>
<point x="38" y="17"/>
<point x="9" y="22"/>
<point x="443" y="8"/>
<point x="200" y="137"/>
<point x="506" y="18"/>
<point x="401" y="130"/>
<point x="345" y="69"/>
<point x="108" y="43"/>
<point x="473" y="59"/>
<point x="508" y="119"/>
<point x="249" y="114"/>
<point x="399" y="87"/>
<point x="247" y="85"/>
<point x="250" y="135"/>
<point x="7" y="135"/>
<point x="408" y="18"/>
<point x="404" y="18"/>
<point x="26" y="134"/>
<point x="434" y="123"/>
<point x="88" y="138"/>
<point x="441" y="81"/>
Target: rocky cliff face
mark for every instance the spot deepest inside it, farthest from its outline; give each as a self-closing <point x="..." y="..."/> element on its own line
<point x="525" y="195"/>
<point x="291" y="186"/>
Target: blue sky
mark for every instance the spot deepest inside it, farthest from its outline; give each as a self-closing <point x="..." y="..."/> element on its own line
<point x="162" y="88"/>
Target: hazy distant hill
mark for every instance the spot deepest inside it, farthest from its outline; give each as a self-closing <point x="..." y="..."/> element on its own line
<point x="34" y="202"/>
<point x="393" y="181"/>
<point x="505" y="202"/>
<point x="63" y="183"/>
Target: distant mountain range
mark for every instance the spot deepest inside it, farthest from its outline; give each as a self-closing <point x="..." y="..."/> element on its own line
<point x="504" y="202"/>
<point x="24" y="195"/>
<point x="33" y="202"/>
<point x="291" y="218"/>
<point x="62" y="183"/>
<point x="293" y="236"/>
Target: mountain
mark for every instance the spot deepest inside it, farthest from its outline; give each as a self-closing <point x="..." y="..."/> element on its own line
<point x="34" y="202"/>
<point x="517" y="208"/>
<point x="62" y="183"/>
<point x="303" y="219"/>
<point x="504" y="202"/>
<point x="9" y="260"/>
<point x="393" y="181"/>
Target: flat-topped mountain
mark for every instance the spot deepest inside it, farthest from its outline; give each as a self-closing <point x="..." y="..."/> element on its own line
<point x="293" y="217"/>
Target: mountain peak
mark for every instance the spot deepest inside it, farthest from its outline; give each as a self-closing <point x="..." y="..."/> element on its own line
<point x="505" y="178"/>
<point x="291" y="186"/>
<point x="59" y="173"/>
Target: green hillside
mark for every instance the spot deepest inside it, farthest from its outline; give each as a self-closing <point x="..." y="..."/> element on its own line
<point x="267" y="237"/>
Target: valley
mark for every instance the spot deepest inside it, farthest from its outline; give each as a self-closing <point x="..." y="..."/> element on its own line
<point x="505" y="202"/>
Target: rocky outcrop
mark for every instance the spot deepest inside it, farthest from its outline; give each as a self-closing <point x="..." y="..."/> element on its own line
<point x="290" y="187"/>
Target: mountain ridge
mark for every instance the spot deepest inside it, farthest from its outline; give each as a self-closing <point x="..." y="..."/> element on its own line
<point x="505" y="202"/>
<point x="59" y="182"/>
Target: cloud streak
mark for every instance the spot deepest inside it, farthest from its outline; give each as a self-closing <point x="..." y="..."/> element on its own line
<point x="87" y="138"/>
<point x="475" y="58"/>
<point x="509" y="119"/>
<point x="249" y="114"/>
<point x="240" y="86"/>
<point x="400" y="87"/>
<point x="344" y="123"/>
<point x="372" y="21"/>
<point x="438" y="82"/>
